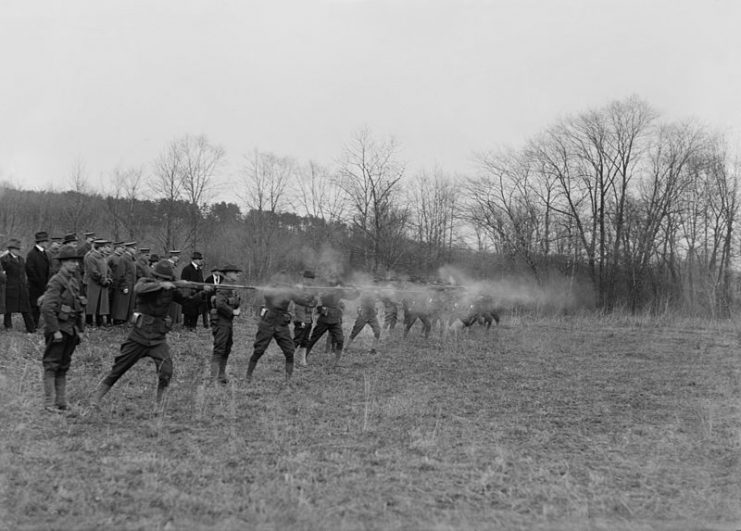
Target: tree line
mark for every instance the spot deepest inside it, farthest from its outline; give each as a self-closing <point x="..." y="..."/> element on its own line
<point x="639" y="209"/>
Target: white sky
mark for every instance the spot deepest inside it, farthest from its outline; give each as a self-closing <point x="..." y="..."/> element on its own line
<point x="112" y="83"/>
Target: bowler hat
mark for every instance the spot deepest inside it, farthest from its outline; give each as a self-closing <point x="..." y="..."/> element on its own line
<point x="42" y="237"/>
<point x="196" y="256"/>
<point x="14" y="243"/>
<point x="71" y="237"/>
<point x="174" y="251"/>
<point x="163" y="269"/>
<point x="229" y="267"/>
<point x="68" y="252"/>
<point x="89" y="235"/>
<point x="130" y="244"/>
<point x="118" y="244"/>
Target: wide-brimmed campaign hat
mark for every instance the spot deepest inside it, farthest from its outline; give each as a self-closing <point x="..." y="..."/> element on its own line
<point x="68" y="252"/>
<point x="228" y="267"/>
<point x="163" y="269"/>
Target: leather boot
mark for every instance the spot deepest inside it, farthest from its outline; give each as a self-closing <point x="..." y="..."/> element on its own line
<point x="301" y="355"/>
<point x="100" y="392"/>
<point x="222" y="371"/>
<point x="60" y="384"/>
<point x="214" y="369"/>
<point x="250" y="369"/>
<point x="49" y="377"/>
<point x="161" y="389"/>
<point x="289" y="371"/>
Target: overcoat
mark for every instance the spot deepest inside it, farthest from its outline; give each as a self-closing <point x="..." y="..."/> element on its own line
<point x="3" y="277"/>
<point x="97" y="279"/>
<point x="123" y="274"/>
<point x="38" y="269"/>
<point x="192" y="274"/>
<point x="16" y="288"/>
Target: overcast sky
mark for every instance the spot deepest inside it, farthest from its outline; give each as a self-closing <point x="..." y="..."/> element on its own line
<point x="112" y="83"/>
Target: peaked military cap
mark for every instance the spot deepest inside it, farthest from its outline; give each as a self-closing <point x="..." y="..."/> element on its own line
<point x="89" y="235"/>
<point x="130" y="244"/>
<point x="144" y="250"/>
<point x="118" y="244"/>
<point x="174" y="251"/>
<point x="56" y="238"/>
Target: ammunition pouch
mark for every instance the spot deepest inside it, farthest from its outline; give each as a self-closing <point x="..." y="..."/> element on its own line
<point x="65" y="312"/>
<point x="152" y="324"/>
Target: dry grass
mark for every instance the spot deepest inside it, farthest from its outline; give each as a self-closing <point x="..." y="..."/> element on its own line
<point x="562" y="423"/>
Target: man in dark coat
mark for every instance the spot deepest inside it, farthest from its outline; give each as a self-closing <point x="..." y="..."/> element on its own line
<point x="330" y="318"/>
<point x="38" y="272"/>
<point x="143" y="268"/>
<point x="225" y="308"/>
<point x="216" y="277"/>
<point x="16" y="288"/>
<point x="53" y="251"/>
<point x="123" y="276"/>
<point x="193" y="272"/>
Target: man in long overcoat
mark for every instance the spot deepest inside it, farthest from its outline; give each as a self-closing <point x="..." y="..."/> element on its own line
<point x="192" y="272"/>
<point x="38" y="272"/>
<point x="123" y="274"/>
<point x="16" y="287"/>
<point x="97" y="279"/>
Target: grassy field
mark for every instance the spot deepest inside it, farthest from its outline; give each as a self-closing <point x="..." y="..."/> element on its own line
<point x="568" y="423"/>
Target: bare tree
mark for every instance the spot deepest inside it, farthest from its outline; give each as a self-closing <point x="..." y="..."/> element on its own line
<point x="199" y="165"/>
<point x="77" y="212"/>
<point x="370" y="176"/>
<point x="167" y="186"/>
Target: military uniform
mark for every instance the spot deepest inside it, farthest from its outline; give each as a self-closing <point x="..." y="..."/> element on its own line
<point x="62" y="310"/>
<point x="273" y="324"/>
<point x="416" y="308"/>
<point x="148" y="337"/>
<point x="367" y="315"/>
<point x="390" y="312"/>
<point x="97" y="280"/>
<point x="193" y="272"/>
<point x="123" y="278"/>
<point x="330" y="319"/>
<point x="224" y="304"/>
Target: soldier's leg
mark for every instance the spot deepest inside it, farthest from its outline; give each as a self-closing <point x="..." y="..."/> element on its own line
<point x="29" y="322"/>
<point x="286" y="344"/>
<point x="60" y="379"/>
<point x="359" y="324"/>
<point x="376" y="327"/>
<point x="262" y="340"/>
<point x="427" y="325"/>
<point x="220" y="333"/>
<point x="409" y="320"/>
<point x="316" y="334"/>
<point x="8" y="320"/>
<point x="163" y="362"/>
<point x="131" y="352"/>
<point x="51" y="361"/>
<point x="228" y="350"/>
<point x="35" y="313"/>
<point x="338" y="337"/>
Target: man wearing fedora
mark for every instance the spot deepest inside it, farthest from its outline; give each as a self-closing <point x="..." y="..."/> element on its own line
<point x="193" y="272"/>
<point x="38" y="272"/>
<point x="16" y="287"/>
<point x="62" y="309"/>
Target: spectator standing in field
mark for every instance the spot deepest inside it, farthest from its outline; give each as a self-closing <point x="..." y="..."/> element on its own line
<point x="175" y="310"/>
<point x="143" y="268"/>
<point x="216" y="277"/>
<point x="38" y="272"/>
<point x="98" y="280"/>
<point x="193" y="272"/>
<point x="225" y="308"/>
<point x="274" y="321"/>
<point x="16" y="287"/>
<point x="123" y="275"/>
<point x="302" y="322"/>
<point x="148" y="336"/>
<point x="63" y="325"/>
<point x="53" y="250"/>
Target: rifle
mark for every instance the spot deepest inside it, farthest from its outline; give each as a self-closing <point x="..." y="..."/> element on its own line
<point x="192" y="284"/>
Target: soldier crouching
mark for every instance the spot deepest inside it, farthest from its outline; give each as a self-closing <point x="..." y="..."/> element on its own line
<point x="148" y="336"/>
<point x="225" y="307"/>
<point x="62" y="309"/>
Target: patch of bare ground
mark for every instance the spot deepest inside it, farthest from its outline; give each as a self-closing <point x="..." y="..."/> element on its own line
<point x="568" y="423"/>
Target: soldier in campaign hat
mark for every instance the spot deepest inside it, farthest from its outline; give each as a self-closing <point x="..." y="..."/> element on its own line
<point x="38" y="272"/>
<point x="16" y="287"/>
<point x="63" y="310"/>
<point x="148" y="336"/>
<point x="225" y="308"/>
